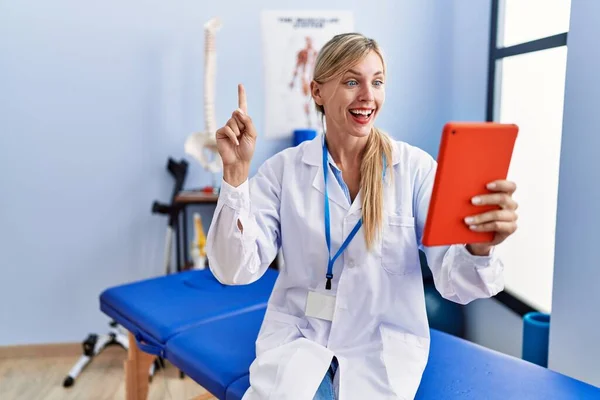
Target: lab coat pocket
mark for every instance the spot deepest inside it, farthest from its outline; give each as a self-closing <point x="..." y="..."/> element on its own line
<point x="277" y="329"/>
<point x="399" y="252"/>
<point x="405" y="357"/>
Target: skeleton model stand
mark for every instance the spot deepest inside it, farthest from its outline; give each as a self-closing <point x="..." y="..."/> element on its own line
<point x="94" y="344"/>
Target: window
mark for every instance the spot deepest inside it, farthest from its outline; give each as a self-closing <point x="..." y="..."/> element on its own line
<point x="528" y="54"/>
<point x="527" y="20"/>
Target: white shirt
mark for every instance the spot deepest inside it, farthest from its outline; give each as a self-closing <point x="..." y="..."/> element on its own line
<point x="379" y="333"/>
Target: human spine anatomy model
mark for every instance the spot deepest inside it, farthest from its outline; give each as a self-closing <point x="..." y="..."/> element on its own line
<point x="198" y="142"/>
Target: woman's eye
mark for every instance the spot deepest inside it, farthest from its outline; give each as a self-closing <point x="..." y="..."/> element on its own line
<point x="378" y="83"/>
<point x="352" y="83"/>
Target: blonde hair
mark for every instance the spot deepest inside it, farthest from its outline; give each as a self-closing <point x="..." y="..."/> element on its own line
<point x="336" y="57"/>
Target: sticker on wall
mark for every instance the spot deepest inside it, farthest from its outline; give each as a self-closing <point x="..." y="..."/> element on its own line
<point x="291" y="43"/>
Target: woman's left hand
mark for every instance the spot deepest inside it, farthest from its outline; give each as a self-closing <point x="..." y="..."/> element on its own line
<point x="501" y="221"/>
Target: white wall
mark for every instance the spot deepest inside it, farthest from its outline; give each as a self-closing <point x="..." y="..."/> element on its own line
<point x="575" y="321"/>
<point x="96" y="95"/>
<point x="493" y="325"/>
<point x="470" y="22"/>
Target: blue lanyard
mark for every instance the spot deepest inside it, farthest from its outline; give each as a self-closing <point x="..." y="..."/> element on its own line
<point x="329" y="274"/>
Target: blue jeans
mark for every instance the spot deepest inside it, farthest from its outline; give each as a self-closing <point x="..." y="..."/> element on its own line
<point x="326" y="390"/>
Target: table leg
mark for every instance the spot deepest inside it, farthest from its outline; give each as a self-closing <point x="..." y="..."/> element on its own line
<point x="137" y="367"/>
<point x="177" y="242"/>
<point x="185" y="240"/>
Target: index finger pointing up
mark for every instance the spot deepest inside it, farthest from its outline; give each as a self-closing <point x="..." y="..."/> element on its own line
<point x="242" y="99"/>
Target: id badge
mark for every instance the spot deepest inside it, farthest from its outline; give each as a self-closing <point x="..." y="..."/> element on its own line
<point x="319" y="305"/>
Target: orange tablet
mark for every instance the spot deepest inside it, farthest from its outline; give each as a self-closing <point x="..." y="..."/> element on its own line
<point x="471" y="155"/>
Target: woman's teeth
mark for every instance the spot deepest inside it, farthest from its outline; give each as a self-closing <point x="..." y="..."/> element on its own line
<point x="361" y="112"/>
<point x="361" y="116"/>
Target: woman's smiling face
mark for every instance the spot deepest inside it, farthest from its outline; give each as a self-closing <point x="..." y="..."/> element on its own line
<point x="352" y="103"/>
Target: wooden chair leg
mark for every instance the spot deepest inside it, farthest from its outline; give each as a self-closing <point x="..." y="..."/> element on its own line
<point x="137" y="368"/>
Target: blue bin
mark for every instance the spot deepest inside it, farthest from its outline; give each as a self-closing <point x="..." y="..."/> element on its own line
<point x="300" y="135"/>
<point x="536" y="332"/>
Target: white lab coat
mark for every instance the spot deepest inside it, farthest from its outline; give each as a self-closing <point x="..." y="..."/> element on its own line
<point x="380" y="332"/>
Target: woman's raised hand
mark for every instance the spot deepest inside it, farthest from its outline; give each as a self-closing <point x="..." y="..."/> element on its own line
<point x="236" y="142"/>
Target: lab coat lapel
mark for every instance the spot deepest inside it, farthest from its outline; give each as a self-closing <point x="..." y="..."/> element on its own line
<point x="313" y="155"/>
<point x="356" y="207"/>
<point x="334" y="191"/>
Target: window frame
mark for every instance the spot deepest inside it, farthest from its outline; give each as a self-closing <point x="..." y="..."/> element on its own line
<point x="496" y="54"/>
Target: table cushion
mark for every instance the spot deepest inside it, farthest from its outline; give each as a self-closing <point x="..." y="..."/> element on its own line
<point x="156" y="309"/>
<point x="236" y="390"/>
<point x="459" y="369"/>
<point x="218" y="353"/>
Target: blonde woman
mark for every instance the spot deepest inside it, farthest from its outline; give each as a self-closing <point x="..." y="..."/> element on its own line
<point x="347" y="318"/>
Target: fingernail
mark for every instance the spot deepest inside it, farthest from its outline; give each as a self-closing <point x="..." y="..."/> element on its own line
<point x="491" y="185"/>
<point x="473" y="227"/>
<point x="476" y="200"/>
<point x="469" y="220"/>
<point x="240" y="111"/>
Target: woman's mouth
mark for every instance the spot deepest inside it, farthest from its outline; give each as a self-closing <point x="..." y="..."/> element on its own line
<point x="361" y="115"/>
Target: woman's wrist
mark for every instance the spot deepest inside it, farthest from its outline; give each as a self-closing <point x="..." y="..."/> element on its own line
<point x="479" y="249"/>
<point x="236" y="174"/>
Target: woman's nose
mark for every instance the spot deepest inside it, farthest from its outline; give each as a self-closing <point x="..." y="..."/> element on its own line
<point x="366" y="94"/>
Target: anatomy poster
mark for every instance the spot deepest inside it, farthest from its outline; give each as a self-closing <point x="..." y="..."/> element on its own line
<point x="291" y="43"/>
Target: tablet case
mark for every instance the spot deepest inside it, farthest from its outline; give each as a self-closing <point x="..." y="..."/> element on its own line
<point x="471" y="155"/>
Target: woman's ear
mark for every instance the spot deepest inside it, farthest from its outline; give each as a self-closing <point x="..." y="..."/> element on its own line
<point x="315" y="90"/>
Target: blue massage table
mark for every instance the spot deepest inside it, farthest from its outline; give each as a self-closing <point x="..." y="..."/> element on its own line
<point x="208" y="331"/>
<point x="155" y="310"/>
